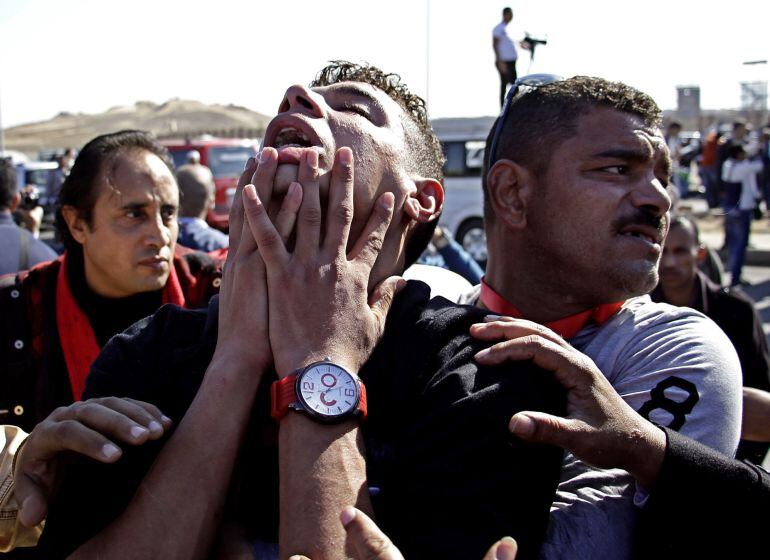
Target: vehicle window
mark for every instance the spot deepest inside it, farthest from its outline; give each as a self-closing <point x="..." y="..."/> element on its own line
<point x="229" y="161"/>
<point x="463" y="159"/>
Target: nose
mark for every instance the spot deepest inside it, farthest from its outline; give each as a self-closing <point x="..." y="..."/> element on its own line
<point x="300" y="98"/>
<point x="158" y="233"/>
<point x="651" y="195"/>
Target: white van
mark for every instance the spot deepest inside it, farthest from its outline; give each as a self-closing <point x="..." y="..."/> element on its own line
<point x="463" y="141"/>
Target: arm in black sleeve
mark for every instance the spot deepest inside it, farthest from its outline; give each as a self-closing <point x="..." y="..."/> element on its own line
<point x="704" y="504"/>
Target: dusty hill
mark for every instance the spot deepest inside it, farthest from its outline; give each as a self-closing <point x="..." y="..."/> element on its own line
<point x="175" y="117"/>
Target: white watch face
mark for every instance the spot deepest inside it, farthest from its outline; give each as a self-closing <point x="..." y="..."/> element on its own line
<point x="327" y="390"/>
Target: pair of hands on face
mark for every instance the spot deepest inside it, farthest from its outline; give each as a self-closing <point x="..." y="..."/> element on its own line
<point x="93" y="428"/>
<point x="294" y="307"/>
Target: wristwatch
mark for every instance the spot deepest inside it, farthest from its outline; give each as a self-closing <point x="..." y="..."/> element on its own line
<point x="325" y="391"/>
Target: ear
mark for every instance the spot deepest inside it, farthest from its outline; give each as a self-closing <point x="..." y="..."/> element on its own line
<point x="702" y="254"/>
<point x="15" y="201"/>
<point x="426" y="202"/>
<point x="509" y="186"/>
<point x="75" y="223"/>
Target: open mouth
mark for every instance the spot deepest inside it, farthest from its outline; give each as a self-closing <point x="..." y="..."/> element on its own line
<point x="290" y="137"/>
<point x="645" y="233"/>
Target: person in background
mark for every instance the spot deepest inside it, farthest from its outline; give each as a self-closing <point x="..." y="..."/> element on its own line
<point x="196" y="187"/>
<point x="505" y="53"/>
<point x="443" y="251"/>
<point x="707" y="167"/>
<point x="116" y="214"/>
<point x="739" y="177"/>
<point x="683" y="284"/>
<point x="19" y="249"/>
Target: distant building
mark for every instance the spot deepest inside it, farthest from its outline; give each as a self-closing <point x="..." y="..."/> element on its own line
<point x="688" y="110"/>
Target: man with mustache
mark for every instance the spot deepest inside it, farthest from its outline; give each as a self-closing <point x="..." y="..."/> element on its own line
<point x="576" y="213"/>
<point x="309" y="279"/>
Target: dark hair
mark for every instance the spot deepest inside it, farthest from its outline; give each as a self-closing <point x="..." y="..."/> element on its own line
<point x="541" y="119"/>
<point x="676" y="124"/>
<point x="80" y="188"/>
<point x="425" y="154"/>
<point x="507" y="11"/>
<point x="681" y="220"/>
<point x="8" y="186"/>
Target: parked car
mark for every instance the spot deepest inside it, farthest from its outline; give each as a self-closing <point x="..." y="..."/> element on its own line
<point x="226" y="157"/>
<point x="463" y="141"/>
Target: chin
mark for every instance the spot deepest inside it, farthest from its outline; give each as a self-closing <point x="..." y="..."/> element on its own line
<point x="636" y="282"/>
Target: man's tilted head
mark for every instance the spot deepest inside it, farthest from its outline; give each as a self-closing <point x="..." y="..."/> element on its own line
<point x="386" y="127"/>
<point x="576" y="188"/>
<point x="118" y="208"/>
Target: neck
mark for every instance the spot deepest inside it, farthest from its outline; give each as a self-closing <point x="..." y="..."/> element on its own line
<point x="531" y="293"/>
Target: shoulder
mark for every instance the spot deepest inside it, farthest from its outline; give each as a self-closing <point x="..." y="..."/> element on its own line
<point x="142" y="361"/>
<point x="498" y="29"/>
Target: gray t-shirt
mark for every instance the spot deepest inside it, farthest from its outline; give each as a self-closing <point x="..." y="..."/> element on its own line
<point x="677" y="368"/>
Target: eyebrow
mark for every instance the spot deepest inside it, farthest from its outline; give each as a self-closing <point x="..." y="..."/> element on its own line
<point x="633" y="155"/>
<point x="624" y="153"/>
<point x="345" y="89"/>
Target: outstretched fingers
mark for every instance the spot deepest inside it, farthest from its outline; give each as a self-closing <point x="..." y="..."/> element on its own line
<point x="310" y="216"/>
<point x="266" y="237"/>
<point x="506" y="328"/>
<point x="339" y="213"/>
<point x="369" y="243"/>
<point x="566" y="364"/>
<point x="262" y="181"/>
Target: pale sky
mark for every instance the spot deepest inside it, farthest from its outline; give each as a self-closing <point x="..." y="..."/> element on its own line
<point x="89" y="55"/>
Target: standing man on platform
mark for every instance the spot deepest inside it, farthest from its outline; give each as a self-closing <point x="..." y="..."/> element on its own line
<point x="505" y="53"/>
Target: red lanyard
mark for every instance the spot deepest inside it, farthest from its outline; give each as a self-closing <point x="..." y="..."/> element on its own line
<point x="567" y="327"/>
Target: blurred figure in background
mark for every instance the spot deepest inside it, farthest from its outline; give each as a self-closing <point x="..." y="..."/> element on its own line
<point x="739" y="177"/>
<point x="196" y="186"/>
<point x="505" y="53"/>
<point x="445" y="252"/>
<point x="707" y="167"/>
<point x="19" y="249"/>
<point x="684" y="285"/>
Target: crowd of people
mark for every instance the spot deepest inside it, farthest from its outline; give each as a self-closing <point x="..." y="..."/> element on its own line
<point x="285" y="392"/>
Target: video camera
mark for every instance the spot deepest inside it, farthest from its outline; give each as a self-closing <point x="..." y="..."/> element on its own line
<point x="533" y="42"/>
<point x="30" y="198"/>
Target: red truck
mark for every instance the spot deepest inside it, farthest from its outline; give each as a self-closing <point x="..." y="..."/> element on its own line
<point x="226" y="157"/>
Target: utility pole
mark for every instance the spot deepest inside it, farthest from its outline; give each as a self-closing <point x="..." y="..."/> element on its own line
<point x="2" y="133"/>
<point x="427" y="52"/>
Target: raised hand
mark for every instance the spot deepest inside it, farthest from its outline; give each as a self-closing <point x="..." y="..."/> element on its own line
<point x="318" y="300"/>
<point x="601" y="428"/>
<point x="243" y="318"/>
<point x="93" y="428"/>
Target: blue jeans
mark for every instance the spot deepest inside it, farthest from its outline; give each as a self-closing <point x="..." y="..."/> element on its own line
<point x="738" y="227"/>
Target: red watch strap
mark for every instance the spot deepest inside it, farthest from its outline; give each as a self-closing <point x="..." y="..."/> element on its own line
<point x="282" y="394"/>
<point x="362" y="400"/>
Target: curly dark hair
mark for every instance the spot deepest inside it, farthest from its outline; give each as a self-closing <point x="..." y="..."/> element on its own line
<point x="426" y="155"/>
<point x="80" y="188"/>
<point x="541" y="119"/>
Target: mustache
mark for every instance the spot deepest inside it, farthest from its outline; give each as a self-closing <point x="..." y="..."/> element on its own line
<point x="643" y="217"/>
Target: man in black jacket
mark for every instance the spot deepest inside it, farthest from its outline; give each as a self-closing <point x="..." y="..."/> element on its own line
<point x="682" y="284"/>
